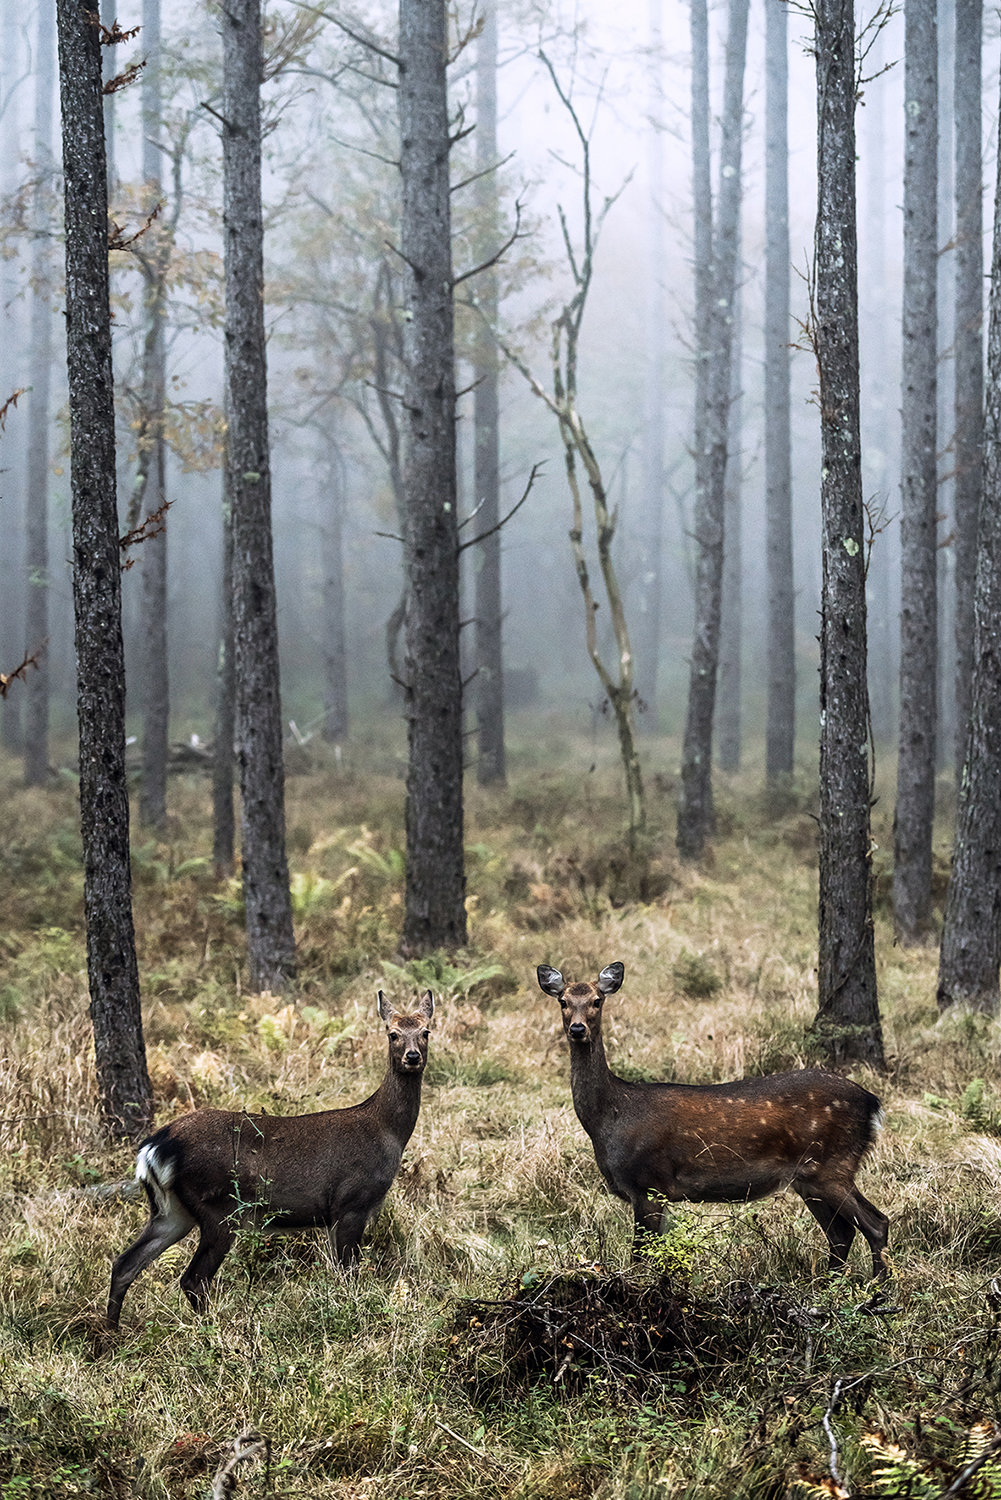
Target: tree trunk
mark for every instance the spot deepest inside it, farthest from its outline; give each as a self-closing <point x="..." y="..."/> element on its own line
<point x="491" y="767"/>
<point x="335" y="656"/>
<point x="780" y="733"/>
<point x="223" y="812"/>
<point x="969" y="363"/>
<point x="695" y="814"/>
<point x="13" y="375"/>
<point x="126" y="1099"/>
<point x="155" y="688"/>
<point x="270" y="942"/>
<point x="731" y="613"/>
<point x="847" y="1022"/>
<point x="650" y="583"/>
<point x="435" y="913"/>
<point x="970" y="956"/>
<point x="108" y="12"/>
<point x="36" y="527"/>
<point x="918" y="531"/>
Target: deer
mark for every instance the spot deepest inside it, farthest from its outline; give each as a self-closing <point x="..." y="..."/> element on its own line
<point x="662" y="1143"/>
<point x="220" y="1169"/>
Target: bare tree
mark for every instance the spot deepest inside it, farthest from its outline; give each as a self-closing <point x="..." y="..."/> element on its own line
<point x="847" y="1023"/>
<point x="969" y="361"/>
<point x="435" y="912"/>
<point x="36" y="527"/>
<point x="491" y="765"/>
<point x="970" y="955"/>
<point x="270" y="942"/>
<point x="714" y="346"/>
<point x="780" y="738"/>
<point x="126" y="1097"/>
<point x="918" y="533"/>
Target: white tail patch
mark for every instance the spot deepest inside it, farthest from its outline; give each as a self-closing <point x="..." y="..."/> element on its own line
<point x="157" y="1175"/>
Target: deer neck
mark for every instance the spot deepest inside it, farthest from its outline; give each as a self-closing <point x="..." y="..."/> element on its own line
<point x="397" y="1102"/>
<point x="592" y="1083"/>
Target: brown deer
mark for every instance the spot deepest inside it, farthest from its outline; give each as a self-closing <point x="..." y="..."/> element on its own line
<point x="218" y="1169"/>
<point x="660" y="1143"/>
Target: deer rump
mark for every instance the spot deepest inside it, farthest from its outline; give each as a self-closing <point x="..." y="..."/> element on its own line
<point x="266" y="1170"/>
<point x="721" y="1143"/>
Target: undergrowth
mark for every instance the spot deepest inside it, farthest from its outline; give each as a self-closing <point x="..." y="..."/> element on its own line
<point x="496" y="1341"/>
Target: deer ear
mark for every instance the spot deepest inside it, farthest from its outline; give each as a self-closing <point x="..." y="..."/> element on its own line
<point x="426" y="1006"/>
<point x="386" y="1010"/>
<point x="610" y="979"/>
<point x="550" y="981"/>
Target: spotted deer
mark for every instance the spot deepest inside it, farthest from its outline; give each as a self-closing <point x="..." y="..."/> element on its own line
<point x="218" y="1169"/>
<point x="662" y="1143"/>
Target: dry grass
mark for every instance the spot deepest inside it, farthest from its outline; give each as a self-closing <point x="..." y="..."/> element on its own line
<point x="355" y="1381"/>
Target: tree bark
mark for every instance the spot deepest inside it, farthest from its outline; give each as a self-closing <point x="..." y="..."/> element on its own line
<point x="491" y="768"/>
<point x="970" y="955"/>
<point x="155" y="687"/>
<point x="731" y="607"/>
<point x="435" y="913"/>
<point x="36" y="525"/>
<point x="126" y="1098"/>
<point x="270" y="942"/>
<point x="780" y="733"/>
<point x="13" y="342"/>
<point x="919" y="487"/>
<point x="695" y="813"/>
<point x="847" y="1022"/>
<point x="969" y="362"/>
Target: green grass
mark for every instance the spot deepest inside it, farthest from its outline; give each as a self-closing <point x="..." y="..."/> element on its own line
<point x="374" y="1386"/>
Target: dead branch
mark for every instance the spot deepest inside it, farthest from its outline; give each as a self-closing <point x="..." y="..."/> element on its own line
<point x="113" y="34"/>
<point x="474" y="541"/>
<point x="248" y="1448"/>
<point x="11" y="401"/>
<point x="117" y="239"/>
<point x="123" y="79"/>
<point x="20" y="671"/>
<point x="498" y="254"/>
<point x="152" y="526"/>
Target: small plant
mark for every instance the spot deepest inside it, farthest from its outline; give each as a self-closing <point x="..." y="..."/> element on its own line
<point x="695" y="976"/>
<point x="674" y="1252"/>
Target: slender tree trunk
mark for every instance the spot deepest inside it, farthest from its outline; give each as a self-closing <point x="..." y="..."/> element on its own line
<point x="731" y="614"/>
<point x="109" y="11"/>
<point x="435" y="913"/>
<point x="270" y="942"/>
<point x="650" y="582"/>
<point x="847" y="1021"/>
<point x="36" y="526"/>
<point x="491" y="765"/>
<point x="155" y="688"/>
<point x="945" y="390"/>
<point x="780" y="734"/>
<point x="126" y="1098"/>
<point x="969" y="362"/>
<point x="970" y="956"/>
<point x="919" y="559"/>
<point x="13" y="376"/>
<point x="695" y="814"/>
<point x="335" y="655"/>
<point x="223" y="811"/>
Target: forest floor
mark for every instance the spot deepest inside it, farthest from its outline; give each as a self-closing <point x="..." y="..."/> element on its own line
<point x="496" y="1341"/>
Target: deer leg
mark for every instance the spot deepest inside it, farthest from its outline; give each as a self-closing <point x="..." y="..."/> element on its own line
<point x="874" y="1225"/>
<point x="345" y="1237"/>
<point x="215" y="1239"/>
<point x="648" y="1216"/>
<point x="162" y="1231"/>
<point x="837" y="1224"/>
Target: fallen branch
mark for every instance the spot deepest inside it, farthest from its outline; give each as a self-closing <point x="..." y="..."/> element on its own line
<point x="248" y="1448"/>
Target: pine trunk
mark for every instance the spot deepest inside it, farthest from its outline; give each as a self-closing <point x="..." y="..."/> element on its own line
<point x="969" y="362"/>
<point x="270" y="942"/>
<point x="918" y="529"/>
<point x="731" y="615"/>
<point x="491" y="769"/>
<point x="970" y="956"/>
<point x="36" y="527"/>
<point x="695" y="814"/>
<point x="223" y="811"/>
<point x="435" y="914"/>
<point x="335" y="655"/>
<point x="126" y="1099"/>
<point x="847" y="1021"/>
<point x="780" y="734"/>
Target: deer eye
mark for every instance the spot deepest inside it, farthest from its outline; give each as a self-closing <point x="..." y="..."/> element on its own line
<point x="425" y="1035"/>
<point x="394" y="1036"/>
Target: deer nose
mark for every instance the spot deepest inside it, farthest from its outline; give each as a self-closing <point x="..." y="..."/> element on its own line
<point x="577" y="1031"/>
<point x="412" y="1058"/>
